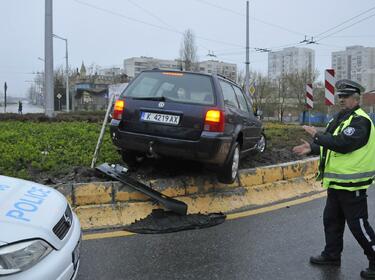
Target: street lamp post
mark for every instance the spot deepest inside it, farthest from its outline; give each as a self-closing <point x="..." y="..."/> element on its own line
<point x="48" y="59"/>
<point x="66" y="71"/>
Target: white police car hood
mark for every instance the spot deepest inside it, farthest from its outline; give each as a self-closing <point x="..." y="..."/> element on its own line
<point x="29" y="210"/>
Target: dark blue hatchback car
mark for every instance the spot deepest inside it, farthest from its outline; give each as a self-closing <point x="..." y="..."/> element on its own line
<point x="187" y="115"/>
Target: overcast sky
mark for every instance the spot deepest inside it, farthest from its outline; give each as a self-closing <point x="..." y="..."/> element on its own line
<point x="105" y="32"/>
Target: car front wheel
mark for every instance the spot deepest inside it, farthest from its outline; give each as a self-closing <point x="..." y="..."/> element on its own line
<point x="229" y="171"/>
<point x="262" y="144"/>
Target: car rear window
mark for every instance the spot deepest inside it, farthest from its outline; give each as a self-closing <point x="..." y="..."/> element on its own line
<point x="175" y="86"/>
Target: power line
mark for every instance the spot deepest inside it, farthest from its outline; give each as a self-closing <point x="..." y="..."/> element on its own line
<point x="221" y="7"/>
<point x="170" y="29"/>
<point x="158" y="18"/>
<point x="151" y="14"/>
<point x="126" y="17"/>
<point x="362" y="13"/>
<point x="278" y="26"/>
<point x="359" y="21"/>
<point x="230" y="50"/>
<point x="354" y="36"/>
<point x="150" y="24"/>
<point x="312" y="41"/>
<point x="243" y="15"/>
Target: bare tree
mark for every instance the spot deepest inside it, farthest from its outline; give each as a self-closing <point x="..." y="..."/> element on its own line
<point x="263" y="91"/>
<point x="282" y="88"/>
<point x="297" y="85"/>
<point x="241" y="79"/>
<point x="188" y="51"/>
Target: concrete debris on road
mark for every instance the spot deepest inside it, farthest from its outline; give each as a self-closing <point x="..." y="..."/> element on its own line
<point x="160" y="221"/>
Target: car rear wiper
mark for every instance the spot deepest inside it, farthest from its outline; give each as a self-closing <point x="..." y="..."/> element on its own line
<point x="153" y="98"/>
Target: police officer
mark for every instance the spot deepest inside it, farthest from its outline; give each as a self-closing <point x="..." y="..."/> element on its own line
<point x="347" y="169"/>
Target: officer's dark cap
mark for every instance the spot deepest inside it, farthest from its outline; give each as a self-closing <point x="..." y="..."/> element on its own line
<point x="347" y="87"/>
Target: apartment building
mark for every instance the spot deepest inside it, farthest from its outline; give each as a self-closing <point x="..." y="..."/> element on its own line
<point x="112" y="71"/>
<point x="133" y="66"/>
<point x="356" y="63"/>
<point x="290" y="60"/>
<point x="228" y="70"/>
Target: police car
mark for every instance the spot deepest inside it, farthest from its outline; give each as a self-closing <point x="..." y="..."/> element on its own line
<point x="39" y="233"/>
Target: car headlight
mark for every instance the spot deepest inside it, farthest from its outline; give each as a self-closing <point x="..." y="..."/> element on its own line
<point x="21" y="256"/>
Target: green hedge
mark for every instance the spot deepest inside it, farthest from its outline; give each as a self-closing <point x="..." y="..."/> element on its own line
<point x="54" y="146"/>
<point x="50" y="147"/>
<point x="89" y="116"/>
<point x="281" y="135"/>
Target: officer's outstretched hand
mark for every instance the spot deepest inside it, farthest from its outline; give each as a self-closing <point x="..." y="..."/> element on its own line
<point x="310" y="130"/>
<point x="302" y="149"/>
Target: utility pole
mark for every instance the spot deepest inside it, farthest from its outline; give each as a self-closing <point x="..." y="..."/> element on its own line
<point x="247" y="75"/>
<point x="66" y="71"/>
<point x="48" y="59"/>
<point x="5" y="97"/>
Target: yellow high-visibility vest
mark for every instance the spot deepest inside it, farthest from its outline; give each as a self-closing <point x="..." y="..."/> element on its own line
<point x="351" y="171"/>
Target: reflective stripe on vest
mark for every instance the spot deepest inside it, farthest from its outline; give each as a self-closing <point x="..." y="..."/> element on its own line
<point x="349" y="176"/>
<point x="354" y="170"/>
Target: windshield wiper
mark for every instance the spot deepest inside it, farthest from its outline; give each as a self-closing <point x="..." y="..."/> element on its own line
<point x="153" y="98"/>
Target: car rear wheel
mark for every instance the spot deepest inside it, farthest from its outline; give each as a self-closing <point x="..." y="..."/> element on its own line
<point x="262" y="144"/>
<point x="229" y="171"/>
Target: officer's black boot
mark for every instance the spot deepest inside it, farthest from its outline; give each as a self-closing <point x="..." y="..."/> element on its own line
<point x="325" y="260"/>
<point x="369" y="273"/>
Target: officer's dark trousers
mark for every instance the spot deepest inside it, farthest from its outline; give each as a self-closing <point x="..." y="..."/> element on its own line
<point x="349" y="206"/>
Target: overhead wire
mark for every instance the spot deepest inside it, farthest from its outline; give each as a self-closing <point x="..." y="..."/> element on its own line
<point x="354" y="36"/>
<point x="332" y="28"/>
<point x="151" y="24"/>
<point x="150" y="13"/>
<point x="158" y="19"/>
<point x="337" y="31"/>
<point x="346" y="21"/>
<point x="168" y="27"/>
<point x="256" y="19"/>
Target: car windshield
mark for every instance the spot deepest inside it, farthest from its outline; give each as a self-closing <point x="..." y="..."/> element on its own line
<point x="174" y="86"/>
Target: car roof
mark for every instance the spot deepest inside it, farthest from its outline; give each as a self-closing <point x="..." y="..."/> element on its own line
<point x="191" y="72"/>
<point x="177" y="71"/>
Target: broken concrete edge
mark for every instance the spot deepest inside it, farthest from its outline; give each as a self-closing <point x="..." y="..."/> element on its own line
<point x="120" y="214"/>
<point x="106" y="205"/>
<point x="98" y="193"/>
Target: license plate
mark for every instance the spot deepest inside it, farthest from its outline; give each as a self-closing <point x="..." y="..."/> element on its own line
<point x="160" y="118"/>
<point x="76" y="254"/>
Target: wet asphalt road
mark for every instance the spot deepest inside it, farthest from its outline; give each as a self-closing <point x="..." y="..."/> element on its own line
<point x="273" y="245"/>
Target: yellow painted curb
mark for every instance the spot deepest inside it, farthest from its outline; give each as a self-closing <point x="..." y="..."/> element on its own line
<point x="111" y="204"/>
<point x="232" y="216"/>
<point x="117" y="215"/>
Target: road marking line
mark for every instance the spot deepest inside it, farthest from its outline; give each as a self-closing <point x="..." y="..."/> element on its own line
<point x="123" y="233"/>
<point x="92" y="236"/>
<point x="275" y="207"/>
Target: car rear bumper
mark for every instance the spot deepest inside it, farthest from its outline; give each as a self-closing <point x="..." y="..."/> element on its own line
<point x="210" y="148"/>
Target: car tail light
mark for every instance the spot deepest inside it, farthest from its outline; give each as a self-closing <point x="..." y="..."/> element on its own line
<point x="118" y="109"/>
<point x="214" y="121"/>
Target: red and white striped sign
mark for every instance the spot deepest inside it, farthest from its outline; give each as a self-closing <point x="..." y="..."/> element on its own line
<point x="309" y="96"/>
<point x="330" y="87"/>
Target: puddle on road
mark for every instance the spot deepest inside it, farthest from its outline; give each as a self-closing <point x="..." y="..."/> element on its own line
<point x="160" y="221"/>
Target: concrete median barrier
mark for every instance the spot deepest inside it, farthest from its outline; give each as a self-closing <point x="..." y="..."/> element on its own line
<point x="111" y="204"/>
